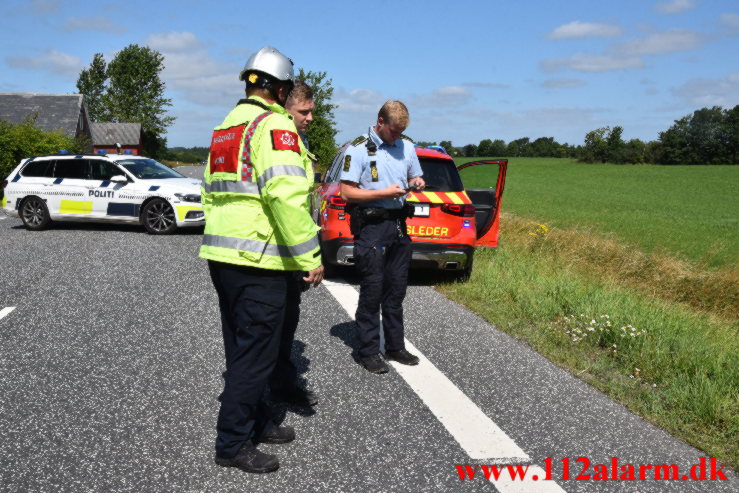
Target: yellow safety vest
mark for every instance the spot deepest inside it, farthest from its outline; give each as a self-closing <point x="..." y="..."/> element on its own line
<point x="256" y="192"/>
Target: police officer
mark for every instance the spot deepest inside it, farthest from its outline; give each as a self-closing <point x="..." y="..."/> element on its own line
<point x="378" y="171"/>
<point x="258" y="234"/>
<point x="283" y="383"/>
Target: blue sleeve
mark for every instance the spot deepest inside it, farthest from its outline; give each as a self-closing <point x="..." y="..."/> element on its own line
<point x="352" y="170"/>
<point x="414" y="167"/>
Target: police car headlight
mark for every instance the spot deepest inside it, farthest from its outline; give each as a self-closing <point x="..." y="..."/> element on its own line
<point x="188" y="197"/>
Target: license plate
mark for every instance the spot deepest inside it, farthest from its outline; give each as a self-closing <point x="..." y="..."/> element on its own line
<point x="422" y="210"/>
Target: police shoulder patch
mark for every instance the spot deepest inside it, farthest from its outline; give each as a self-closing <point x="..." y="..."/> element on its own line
<point x="359" y="140"/>
<point x="347" y="162"/>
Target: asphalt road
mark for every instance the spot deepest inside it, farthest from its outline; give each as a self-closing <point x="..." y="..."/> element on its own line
<point x="110" y="367"/>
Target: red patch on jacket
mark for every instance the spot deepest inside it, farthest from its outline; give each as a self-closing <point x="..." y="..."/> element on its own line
<point x="285" y="140"/>
<point x="224" y="149"/>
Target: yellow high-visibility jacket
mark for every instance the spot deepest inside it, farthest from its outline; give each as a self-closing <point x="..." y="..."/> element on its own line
<point x="256" y="192"/>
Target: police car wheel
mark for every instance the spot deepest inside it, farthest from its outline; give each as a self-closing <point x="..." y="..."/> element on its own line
<point x="159" y="217"/>
<point x="35" y="214"/>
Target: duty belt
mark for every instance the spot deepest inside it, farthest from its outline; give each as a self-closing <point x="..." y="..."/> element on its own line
<point x="377" y="213"/>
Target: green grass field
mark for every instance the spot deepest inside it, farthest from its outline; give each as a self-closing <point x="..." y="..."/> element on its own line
<point x="633" y="287"/>
<point x="691" y="211"/>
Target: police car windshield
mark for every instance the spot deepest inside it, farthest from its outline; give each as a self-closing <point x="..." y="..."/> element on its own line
<point x="441" y="175"/>
<point x="148" y="169"/>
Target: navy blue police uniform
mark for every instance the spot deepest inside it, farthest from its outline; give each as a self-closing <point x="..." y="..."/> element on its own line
<point x="382" y="248"/>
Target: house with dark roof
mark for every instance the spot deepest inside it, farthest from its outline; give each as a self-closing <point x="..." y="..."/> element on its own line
<point x="117" y="137"/>
<point x="65" y="113"/>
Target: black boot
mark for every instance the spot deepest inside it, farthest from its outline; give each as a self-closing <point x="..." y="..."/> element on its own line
<point x="250" y="459"/>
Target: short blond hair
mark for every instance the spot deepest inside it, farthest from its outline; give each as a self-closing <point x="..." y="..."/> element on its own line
<point x="395" y="112"/>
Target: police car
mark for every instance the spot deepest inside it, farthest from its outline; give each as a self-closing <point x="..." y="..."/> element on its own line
<point x="449" y="222"/>
<point x="117" y="188"/>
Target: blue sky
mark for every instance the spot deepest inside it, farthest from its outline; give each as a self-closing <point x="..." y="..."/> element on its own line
<point x="468" y="70"/>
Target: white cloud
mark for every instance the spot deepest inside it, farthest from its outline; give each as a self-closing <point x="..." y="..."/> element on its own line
<point x="51" y="61"/>
<point x="190" y="70"/>
<point x="45" y="6"/>
<point x="711" y="92"/>
<point x="486" y="85"/>
<point x="580" y="30"/>
<point x="442" y="97"/>
<point x="674" y="6"/>
<point x="93" y="24"/>
<point x="174" y="42"/>
<point x="661" y="43"/>
<point x="591" y="63"/>
<point x="730" y="20"/>
<point x="563" y="83"/>
<point x="358" y="100"/>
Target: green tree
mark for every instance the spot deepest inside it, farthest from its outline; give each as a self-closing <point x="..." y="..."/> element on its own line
<point x="134" y="93"/>
<point x="544" y="147"/>
<point x="634" y="152"/>
<point x="485" y="148"/>
<point x="731" y="132"/>
<point x="447" y="145"/>
<point x="596" y="146"/>
<point x="91" y="83"/>
<point x="470" y="150"/>
<point x="322" y="132"/>
<point x="518" y="147"/>
<point x="615" y="145"/>
<point x="498" y="149"/>
<point x="21" y="140"/>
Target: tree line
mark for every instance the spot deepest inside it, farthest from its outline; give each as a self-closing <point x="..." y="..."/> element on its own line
<point x="707" y="136"/>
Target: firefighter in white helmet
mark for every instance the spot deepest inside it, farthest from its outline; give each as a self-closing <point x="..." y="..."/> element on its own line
<point x="259" y="240"/>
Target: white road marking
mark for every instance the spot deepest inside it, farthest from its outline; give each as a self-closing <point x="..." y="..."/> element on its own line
<point x="477" y="434"/>
<point x="6" y="311"/>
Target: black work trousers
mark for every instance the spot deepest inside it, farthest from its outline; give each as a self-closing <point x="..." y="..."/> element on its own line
<point x="252" y="303"/>
<point x="382" y="252"/>
<point x="285" y="375"/>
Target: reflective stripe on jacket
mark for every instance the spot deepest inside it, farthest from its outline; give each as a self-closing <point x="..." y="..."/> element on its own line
<point x="256" y="196"/>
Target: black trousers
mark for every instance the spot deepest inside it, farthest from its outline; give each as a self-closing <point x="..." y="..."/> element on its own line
<point x="285" y="375"/>
<point x="253" y="304"/>
<point x="382" y="251"/>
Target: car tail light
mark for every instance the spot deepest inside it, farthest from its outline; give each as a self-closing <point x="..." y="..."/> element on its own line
<point x="466" y="210"/>
<point x="336" y="202"/>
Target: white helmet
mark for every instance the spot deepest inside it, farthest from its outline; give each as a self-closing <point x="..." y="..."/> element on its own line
<point x="270" y="61"/>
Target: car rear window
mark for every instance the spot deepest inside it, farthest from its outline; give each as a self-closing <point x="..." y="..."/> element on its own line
<point x="148" y="169"/>
<point x="441" y="175"/>
<point x="43" y="168"/>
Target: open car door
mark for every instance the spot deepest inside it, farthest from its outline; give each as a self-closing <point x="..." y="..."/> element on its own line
<point x="487" y="204"/>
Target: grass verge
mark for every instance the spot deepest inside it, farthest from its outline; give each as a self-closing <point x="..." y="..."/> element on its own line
<point x="621" y="320"/>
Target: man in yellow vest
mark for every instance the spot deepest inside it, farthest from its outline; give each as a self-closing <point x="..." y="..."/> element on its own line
<point x="258" y="236"/>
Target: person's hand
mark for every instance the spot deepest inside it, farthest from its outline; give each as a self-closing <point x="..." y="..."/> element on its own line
<point x="418" y="184"/>
<point x="394" y="191"/>
<point x="315" y="276"/>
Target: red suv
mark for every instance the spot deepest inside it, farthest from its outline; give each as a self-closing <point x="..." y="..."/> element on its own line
<point x="449" y="221"/>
